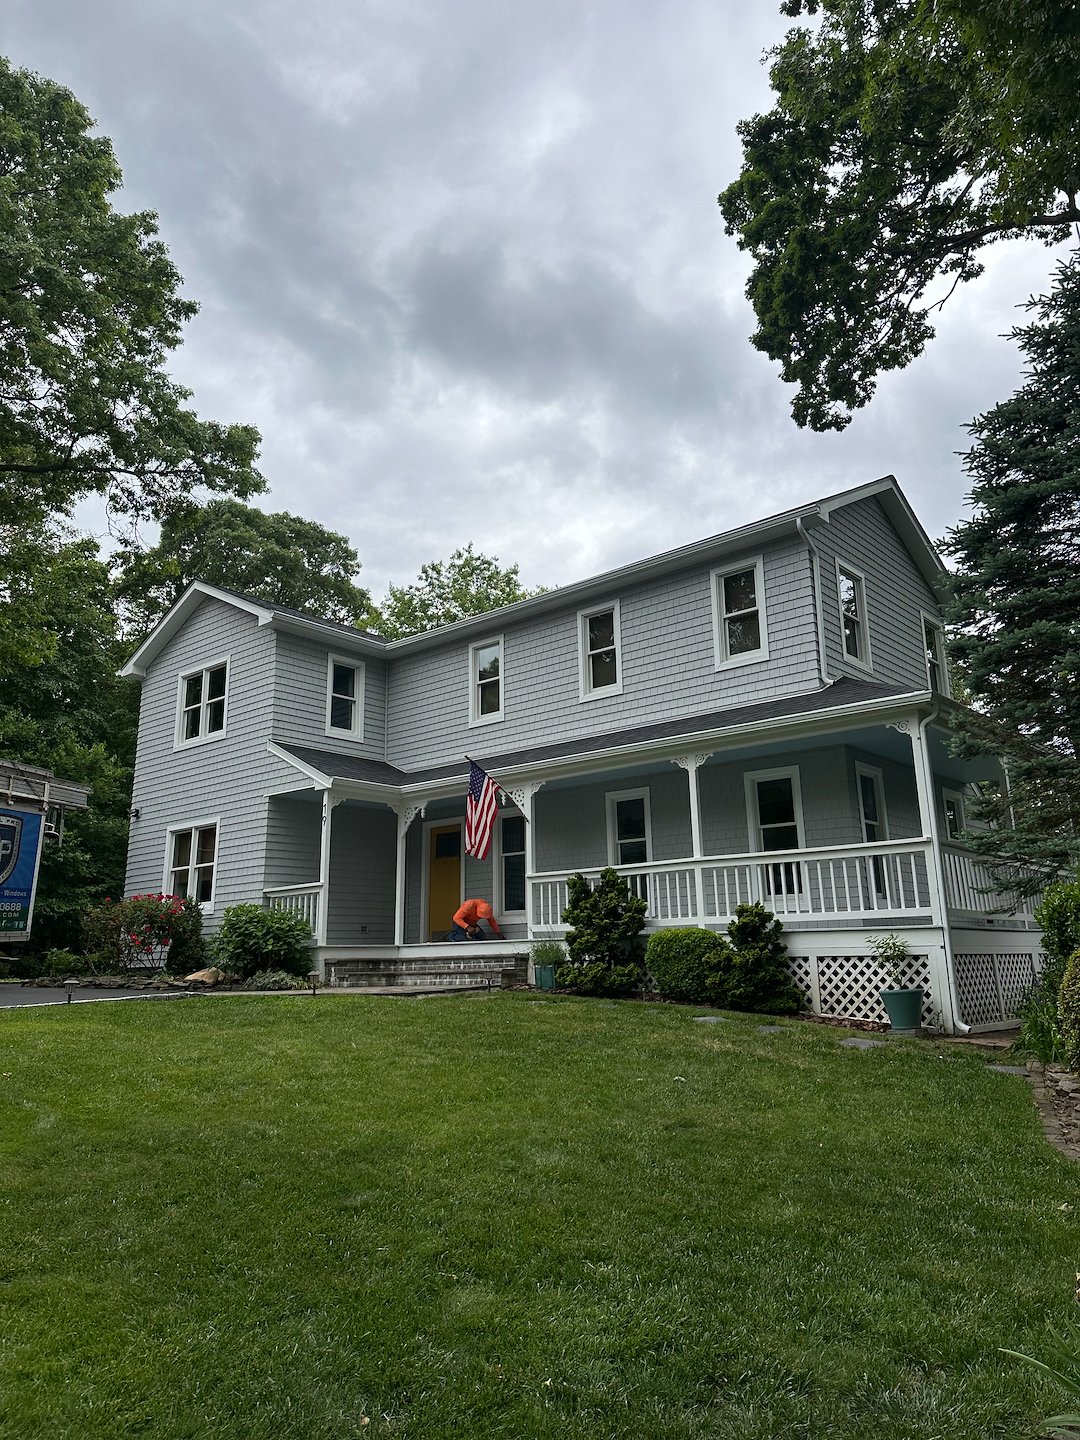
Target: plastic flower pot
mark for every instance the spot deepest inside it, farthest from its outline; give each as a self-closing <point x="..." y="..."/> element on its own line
<point x="904" y="1009"/>
<point x="545" y="977"/>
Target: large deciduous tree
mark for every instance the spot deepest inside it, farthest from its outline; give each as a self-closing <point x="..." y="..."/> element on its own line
<point x="280" y="558"/>
<point x="468" y="584"/>
<point x="90" y="308"/>
<point x="1018" y="589"/>
<point x="906" y="136"/>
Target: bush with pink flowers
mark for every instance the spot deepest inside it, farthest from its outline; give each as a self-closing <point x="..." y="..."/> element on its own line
<point x="146" y="932"/>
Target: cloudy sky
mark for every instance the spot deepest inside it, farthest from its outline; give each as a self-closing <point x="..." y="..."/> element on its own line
<point x="462" y="265"/>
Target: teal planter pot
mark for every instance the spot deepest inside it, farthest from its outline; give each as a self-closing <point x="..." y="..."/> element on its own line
<point x="545" y="977"/>
<point x="904" y="1009"/>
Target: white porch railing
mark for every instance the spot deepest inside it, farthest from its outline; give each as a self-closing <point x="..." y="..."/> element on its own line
<point x="850" y="882"/>
<point x="302" y="900"/>
<point x="970" y="886"/>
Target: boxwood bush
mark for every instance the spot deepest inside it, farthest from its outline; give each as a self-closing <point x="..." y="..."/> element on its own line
<point x="682" y="962"/>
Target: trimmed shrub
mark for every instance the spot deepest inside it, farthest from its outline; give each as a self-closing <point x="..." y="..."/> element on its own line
<point x="145" y="931"/>
<point x="752" y="973"/>
<point x="252" y="939"/>
<point x="604" y="943"/>
<point x="1069" y="1011"/>
<point x="682" y="962"/>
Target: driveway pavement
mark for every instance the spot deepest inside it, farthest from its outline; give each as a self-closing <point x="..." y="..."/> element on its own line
<point x="12" y="996"/>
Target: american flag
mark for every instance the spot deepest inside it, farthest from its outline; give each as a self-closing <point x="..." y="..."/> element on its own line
<point x="480" y="811"/>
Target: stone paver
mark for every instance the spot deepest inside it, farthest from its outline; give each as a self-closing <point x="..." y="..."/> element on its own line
<point x="856" y="1042"/>
<point x="709" y="1020"/>
<point x="1009" y="1069"/>
<point x="769" y="1029"/>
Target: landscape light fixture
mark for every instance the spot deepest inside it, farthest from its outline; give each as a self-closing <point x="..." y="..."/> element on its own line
<point x="313" y="976"/>
<point x="69" y="986"/>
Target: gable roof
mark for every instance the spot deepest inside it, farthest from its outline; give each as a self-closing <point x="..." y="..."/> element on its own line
<point x="759" y="532"/>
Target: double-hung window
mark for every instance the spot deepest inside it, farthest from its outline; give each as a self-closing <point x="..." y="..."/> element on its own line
<point x="774" y="816"/>
<point x="851" y="588"/>
<point x="344" y="697"/>
<point x="486" y="681"/>
<point x="937" y="674"/>
<point x="191" y="859"/>
<point x="201" y="706"/>
<point x="952" y="804"/>
<point x="630" y="835"/>
<point x="512" y="863"/>
<point x="739" y="630"/>
<point x="600" y="651"/>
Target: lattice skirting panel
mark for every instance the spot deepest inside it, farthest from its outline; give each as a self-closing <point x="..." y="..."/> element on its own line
<point x="989" y="985"/>
<point x="848" y="987"/>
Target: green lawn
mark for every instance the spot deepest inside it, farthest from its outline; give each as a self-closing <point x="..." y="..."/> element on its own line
<point x="235" y="1218"/>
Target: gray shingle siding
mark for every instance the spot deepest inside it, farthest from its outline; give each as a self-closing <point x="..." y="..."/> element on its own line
<point x="300" y="697"/>
<point x="667" y="659"/>
<point x="363" y="845"/>
<point x="227" y="778"/>
<point x="862" y="536"/>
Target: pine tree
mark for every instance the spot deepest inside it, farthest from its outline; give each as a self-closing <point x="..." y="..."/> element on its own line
<point x="1018" y="590"/>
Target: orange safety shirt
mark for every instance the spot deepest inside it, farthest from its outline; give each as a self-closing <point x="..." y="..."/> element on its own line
<point x="472" y="912"/>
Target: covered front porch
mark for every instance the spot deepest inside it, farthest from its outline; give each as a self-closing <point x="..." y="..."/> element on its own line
<point x="840" y="826"/>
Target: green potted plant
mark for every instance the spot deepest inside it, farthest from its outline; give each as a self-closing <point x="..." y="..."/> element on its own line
<point x="903" y="1002"/>
<point x="548" y="954"/>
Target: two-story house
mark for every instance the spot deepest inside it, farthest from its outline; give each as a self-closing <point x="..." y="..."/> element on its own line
<point x="763" y="715"/>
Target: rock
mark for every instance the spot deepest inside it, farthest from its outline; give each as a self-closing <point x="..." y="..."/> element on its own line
<point x="210" y="976"/>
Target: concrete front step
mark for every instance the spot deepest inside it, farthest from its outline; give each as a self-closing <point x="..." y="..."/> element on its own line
<point x="442" y="973"/>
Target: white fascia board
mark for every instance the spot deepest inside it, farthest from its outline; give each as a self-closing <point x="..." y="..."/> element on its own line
<point x="177" y="617"/>
<point x="321" y="780"/>
<point x="811" y="722"/>
<point x="326" y="634"/>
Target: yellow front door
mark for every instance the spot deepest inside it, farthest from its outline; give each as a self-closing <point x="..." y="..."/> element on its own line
<point x="444" y="878"/>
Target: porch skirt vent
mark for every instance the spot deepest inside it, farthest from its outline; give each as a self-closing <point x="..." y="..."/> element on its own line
<point x="990" y="986"/>
<point x="848" y="987"/>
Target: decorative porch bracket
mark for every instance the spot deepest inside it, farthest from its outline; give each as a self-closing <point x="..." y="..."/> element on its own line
<point x="406" y="814"/>
<point x="522" y="795"/>
<point x="692" y="764"/>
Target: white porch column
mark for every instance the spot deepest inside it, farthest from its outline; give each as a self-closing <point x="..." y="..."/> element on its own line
<point x="406" y="814"/>
<point x="329" y="804"/>
<point x="691" y="764"/>
<point x="941" y="964"/>
<point x="522" y="796"/>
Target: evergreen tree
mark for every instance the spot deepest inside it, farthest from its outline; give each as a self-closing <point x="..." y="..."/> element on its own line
<point x="1018" y="590"/>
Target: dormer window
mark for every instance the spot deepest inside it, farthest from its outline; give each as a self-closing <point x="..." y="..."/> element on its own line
<point x="344" y="698"/>
<point x="201" y="710"/>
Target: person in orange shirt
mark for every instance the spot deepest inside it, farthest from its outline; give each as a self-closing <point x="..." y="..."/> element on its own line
<point x="466" y="924"/>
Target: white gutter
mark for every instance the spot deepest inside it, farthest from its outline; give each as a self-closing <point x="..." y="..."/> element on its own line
<point x="935" y="851"/>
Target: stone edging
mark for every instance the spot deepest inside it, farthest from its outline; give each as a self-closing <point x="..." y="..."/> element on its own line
<point x="1056" y="1093"/>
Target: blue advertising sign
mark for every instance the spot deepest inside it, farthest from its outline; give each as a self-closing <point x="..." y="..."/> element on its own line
<point x="21" y="833"/>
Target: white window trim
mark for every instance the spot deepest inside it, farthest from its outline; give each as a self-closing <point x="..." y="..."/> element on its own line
<point x="585" y="689"/>
<point x="179" y="743"/>
<point x="356" y="730"/>
<point x="612" y="798"/>
<point x="475" y="718"/>
<point x="878" y="777"/>
<point x="939" y="629"/>
<point x="207" y="906"/>
<point x="844" y="568"/>
<point x="753" y="820"/>
<point x="961" y="799"/>
<point x="499" y="899"/>
<point x="724" y="661"/>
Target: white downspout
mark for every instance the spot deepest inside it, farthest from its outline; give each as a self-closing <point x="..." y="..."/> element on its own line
<point x="815" y="581"/>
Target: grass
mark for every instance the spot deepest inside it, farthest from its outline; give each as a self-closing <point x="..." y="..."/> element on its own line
<point x="237" y="1218"/>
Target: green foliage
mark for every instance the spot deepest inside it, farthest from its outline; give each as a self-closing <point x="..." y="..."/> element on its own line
<point x="682" y="962"/>
<point x="468" y="584"/>
<point x="549" y="951"/>
<point x="1069" y="1011"/>
<point x="272" y="980"/>
<point x="904" y="138"/>
<point x="891" y="953"/>
<point x="253" y="939"/>
<point x="279" y="558"/>
<point x="1058" y="914"/>
<point x="145" y="931"/>
<point x="90" y="306"/>
<point x="1063" y="1366"/>
<point x="604" y="942"/>
<point x="66" y="964"/>
<point x="752" y="972"/>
